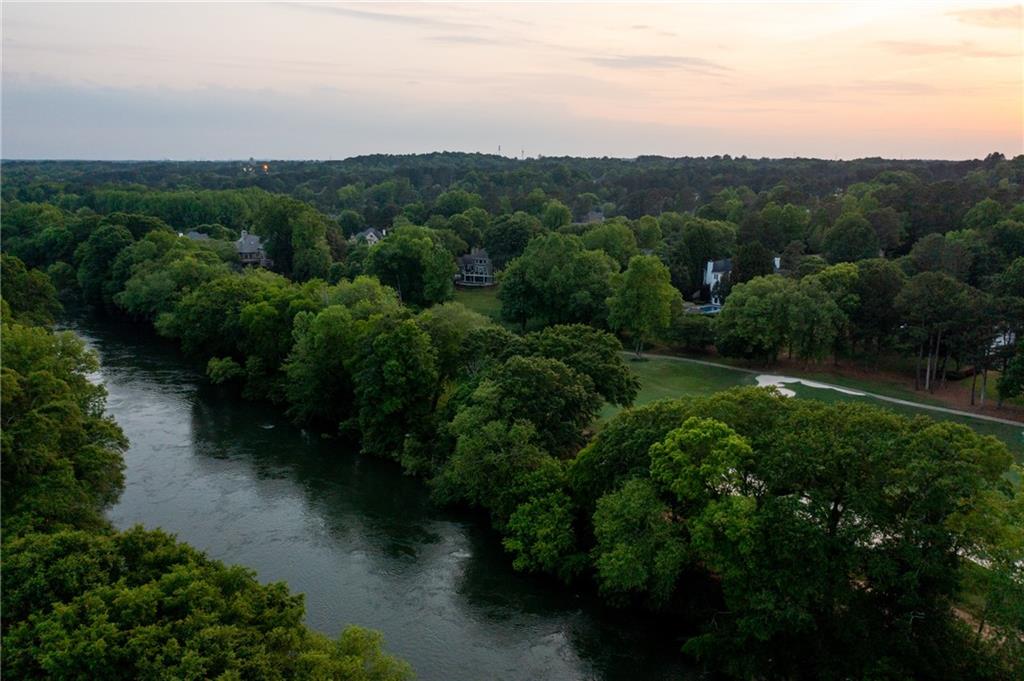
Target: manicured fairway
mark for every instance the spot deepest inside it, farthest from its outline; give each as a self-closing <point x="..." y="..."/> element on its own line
<point x="666" y="378"/>
<point x="660" y="379"/>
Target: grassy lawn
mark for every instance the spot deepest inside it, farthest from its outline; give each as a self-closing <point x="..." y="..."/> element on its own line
<point x="664" y="378"/>
<point x="482" y="300"/>
<point x="661" y="378"/>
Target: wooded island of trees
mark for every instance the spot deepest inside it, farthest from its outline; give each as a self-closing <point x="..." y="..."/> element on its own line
<point x="783" y="537"/>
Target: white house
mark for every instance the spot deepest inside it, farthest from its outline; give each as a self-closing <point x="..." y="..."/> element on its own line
<point x="371" y="236"/>
<point x="716" y="270"/>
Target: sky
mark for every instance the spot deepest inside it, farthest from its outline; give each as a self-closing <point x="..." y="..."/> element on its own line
<point x="333" y="80"/>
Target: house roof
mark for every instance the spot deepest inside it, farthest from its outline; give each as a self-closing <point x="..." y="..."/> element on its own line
<point x="474" y="254"/>
<point x="249" y="243"/>
<point x="365" y="234"/>
<point x="197" y="236"/>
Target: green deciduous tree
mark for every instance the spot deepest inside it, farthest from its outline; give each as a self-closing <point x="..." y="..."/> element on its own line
<point x="614" y="238"/>
<point x="311" y="255"/>
<point x="95" y="259"/>
<point x="556" y="214"/>
<point x="755" y="320"/>
<point x="556" y="281"/>
<point x="789" y="222"/>
<point x="594" y="353"/>
<point x="415" y="265"/>
<point x="162" y="267"/>
<point x="496" y="465"/>
<point x="456" y="201"/>
<point x="29" y="293"/>
<point x="751" y="260"/>
<point x="642" y="298"/>
<point x="507" y="236"/>
<point x="930" y="305"/>
<point x="648" y="232"/>
<point x="1011" y="382"/>
<point x="541" y="537"/>
<point x="638" y="548"/>
<point x="139" y="604"/>
<point x="395" y="372"/>
<point x="689" y="331"/>
<point x="851" y="238"/>
<point x="875" y="318"/>
<point x="984" y="214"/>
<point x="61" y="456"/>
<point x="828" y="527"/>
<point x="557" y="400"/>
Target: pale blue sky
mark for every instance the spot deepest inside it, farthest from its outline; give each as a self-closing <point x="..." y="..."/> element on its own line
<point x="323" y="80"/>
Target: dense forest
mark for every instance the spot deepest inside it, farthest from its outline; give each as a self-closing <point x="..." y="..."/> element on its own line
<point x="822" y="540"/>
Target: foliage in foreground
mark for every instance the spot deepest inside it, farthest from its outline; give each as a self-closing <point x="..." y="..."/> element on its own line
<point x="138" y="604"/>
<point x="838" y="535"/>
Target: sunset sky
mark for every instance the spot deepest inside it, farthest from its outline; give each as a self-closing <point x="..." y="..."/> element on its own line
<point x="319" y="80"/>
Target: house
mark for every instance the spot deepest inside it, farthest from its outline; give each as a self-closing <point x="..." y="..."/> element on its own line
<point x="717" y="270"/>
<point x="714" y="272"/>
<point x="475" y="269"/>
<point x="251" y="252"/>
<point x="195" y="236"/>
<point x="371" y="236"/>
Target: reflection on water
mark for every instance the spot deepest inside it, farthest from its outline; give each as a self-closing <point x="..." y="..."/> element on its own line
<point x="359" y="539"/>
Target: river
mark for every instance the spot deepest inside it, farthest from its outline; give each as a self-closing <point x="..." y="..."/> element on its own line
<point x="357" y="537"/>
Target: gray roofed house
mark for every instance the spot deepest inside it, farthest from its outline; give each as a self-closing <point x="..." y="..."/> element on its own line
<point x="251" y="252"/>
<point x="196" y="236"/>
<point x="475" y="269"/>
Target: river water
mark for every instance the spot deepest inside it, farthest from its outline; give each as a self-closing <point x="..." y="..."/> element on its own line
<point x="357" y="537"/>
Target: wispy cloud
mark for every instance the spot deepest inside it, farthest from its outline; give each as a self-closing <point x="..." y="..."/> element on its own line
<point x="651" y="62"/>
<point x="155" y="55"/>
<point x="836" y="92"/>
<point x="466" y="40"/>
<point x="384" y="17"/>
<point x="962" y="49"/>
<point x="654" y="29"/>
<point x="991" y="17"/>
<point x="891" y="87"/>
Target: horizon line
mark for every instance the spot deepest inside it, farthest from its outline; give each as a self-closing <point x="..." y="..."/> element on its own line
<point x="540" y="157"/>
